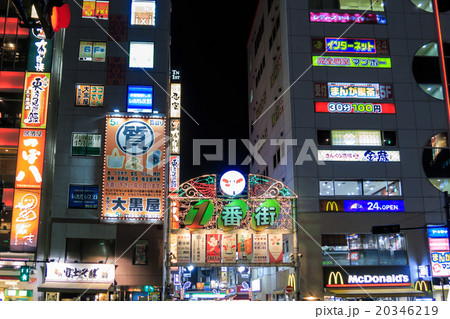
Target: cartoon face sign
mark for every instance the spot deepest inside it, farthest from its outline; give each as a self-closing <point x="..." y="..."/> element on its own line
<point x="232" y="183"/>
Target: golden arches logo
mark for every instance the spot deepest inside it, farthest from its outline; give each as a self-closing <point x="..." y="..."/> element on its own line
<point x="421" y="285"/>
<point x="291" y="281"/>
<point x="337" y="276"/>
<point x="333" y="205"/>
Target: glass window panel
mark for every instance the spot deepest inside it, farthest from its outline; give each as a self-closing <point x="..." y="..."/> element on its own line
<point x="141" y="54"/>
<point x="323" y="137"/>
<point x="335" y="258"/>
<point x="355" y="137"/>
<point x="347" y="188"/>
<point x="389" y="138"/>
<point x="374" y="188"/>
<point x="326" y="188"/>
<point x="364" y="258"/>
<point x="355" y="242"/>
<point x="369" y="241"/>
<point x="394" y="188"/>
<point x="371" y="5"/>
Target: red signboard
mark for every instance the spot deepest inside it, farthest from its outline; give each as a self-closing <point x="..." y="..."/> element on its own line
<point x="213" y="244"/>
<point x="30" y="159"/>
<point x="9" y="136"/>
<point x="356" y="108"/>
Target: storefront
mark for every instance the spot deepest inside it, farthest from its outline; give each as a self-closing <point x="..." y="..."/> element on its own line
<point x="85" y="282"/>
<point x="11" y="286"/>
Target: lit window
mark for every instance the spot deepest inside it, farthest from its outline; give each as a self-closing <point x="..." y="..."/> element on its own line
<point x="92" y="51"/>
<point x="347" y="188"/>
<point x="359" y="188"/>
<point x="89" y="95"/>
<point x="141" y="54"/>
<point x="326" y="188"/>
<point x="363" y="5"/>
<point x="346" y="137"/>
<point x="143" y="12"/>
<point x="84" y="144"/>
<point x="95" y="9"/>
<point x="81" y="196"/>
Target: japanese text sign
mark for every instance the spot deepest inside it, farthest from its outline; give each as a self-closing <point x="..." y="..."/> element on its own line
<point x="350" y="45"/>
<point x="359" y="156"/>
<point x="440" y="264"/>
<point x="353" y="62"/>
<point x="174" y="173"/>
<point x="355" y="108"/>
<point x="80" y="272"/>
<point x="134" y="174"/>
<point x="40" y="52"/>
<point x="89" y="95"/>
<point x="35" y="100"/>
<point x="213" y="245"/>
<point x="353" y="90"/>
<point x="334" y="17"/>
<point x="175" y="100"/>
<point x="95" y="9"/>
<point x="30" y="159"/>
<point x="25" y="220"/>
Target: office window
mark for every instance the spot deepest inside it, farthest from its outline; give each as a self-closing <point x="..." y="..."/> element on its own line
<point x="276" y="158"/>
<point x="143" y="12"/>
<point x="85" y="144"/>
<point x="141" y="54"/>
<point x="359" y="188"/>
<point x="89" y="95"/>
<point x="92" y="51"/>
<point x="95" y="9"/>
<point x="84" y="197"/>
<point x="87" y="250"/>
<point x="362" y="5"/>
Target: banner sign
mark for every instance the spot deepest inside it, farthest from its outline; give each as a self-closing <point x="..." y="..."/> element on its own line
<point x="244" y="247"/>
<point x="334" y="17"/>
<point x="199" y="248"/>
<point x="35" y="100"/>
<point x="25" y="220"/>
<point x="342" y="45"/>
<point x="174" y="173"/>
<point x="184" y="248"/>
<point x="213" y="245"/>
<point x="353" y="62"/>
<point x="353" y="90"/>
<point x="175" y="100"/>
<point x="355" y="108"/>
<point x="133" y="173"/>
<point x="260" y="248"/>
<point x="358" y="156"/>
<point x="275" y="248"/>
<point x="440" y="264"/>
<point x="80" y="272"/>
<point x="229" y="248"/>
<point x="175" y="136"/>
<point x="366" y="276"/>
<point x="40" y="52"/>
<point x="30" y="159"/>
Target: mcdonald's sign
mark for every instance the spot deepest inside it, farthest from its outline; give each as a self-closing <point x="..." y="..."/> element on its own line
<point x="422" y="285"/>
<point x="332" y="205"/>
<point x="335" y="278"/>
<point x="291" y="281"/>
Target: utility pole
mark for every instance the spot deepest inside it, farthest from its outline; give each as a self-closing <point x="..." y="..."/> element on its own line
<point x="2" y="205"/>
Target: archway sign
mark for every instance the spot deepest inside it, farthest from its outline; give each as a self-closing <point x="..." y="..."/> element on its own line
<point x="230" y="221"/>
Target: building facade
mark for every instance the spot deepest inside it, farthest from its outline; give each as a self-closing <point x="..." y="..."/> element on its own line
<point x="344" y="98"/>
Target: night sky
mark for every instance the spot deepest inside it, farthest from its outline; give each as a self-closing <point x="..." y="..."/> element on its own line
<point x="209" y="45"/>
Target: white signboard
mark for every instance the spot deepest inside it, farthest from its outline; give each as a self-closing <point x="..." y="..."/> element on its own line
<point x="260" y="248"/>
<point x="359" y="156"/>
<point x="198" y="248"/>
<point x="229" y="248"/>
<point x="80" y="272"/>
<point x="184" y="248"/>
<point x="175" y="100"/>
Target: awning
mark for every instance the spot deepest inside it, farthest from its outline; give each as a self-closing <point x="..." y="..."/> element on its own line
<point x="379" y="292"/>
<point x="75" y="287"/>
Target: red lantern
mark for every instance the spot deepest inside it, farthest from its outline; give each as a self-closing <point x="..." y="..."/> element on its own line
<point x="60" y="18"/>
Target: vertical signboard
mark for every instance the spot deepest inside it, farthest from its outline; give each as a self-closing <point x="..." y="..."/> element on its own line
<point x="134" y="173"/>
<point x="174" y="173"/>
<point x="260" y="248"/>
<point x="30" y="159"/>
<point x="198" y="248"/>
<point x="175" y="136"/>
<point x="184" y="248"/>
<point x="229" y="248"/>
<point x="175" y="100"/>
<point x="35" y="100"/>
<point x="40" y="52"/>
<point x="213" y="244"/>
<point x="275" y="248"/>
<point x="244" y="247"/>
<point x="25" y="220"/>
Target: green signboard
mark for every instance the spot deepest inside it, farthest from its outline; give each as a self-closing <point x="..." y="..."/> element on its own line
<point x="40" y="52"/>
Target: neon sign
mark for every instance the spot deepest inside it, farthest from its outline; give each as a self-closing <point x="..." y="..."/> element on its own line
<point x="438" y="232"/>
<point x="355" y="108"/>
<point x="353" y="62"/>
<point x="350" y="45"/>
<point x="334" y="17"/>
<point x="379" y="206"/>
<point x="353" y="90"/>
<point x="367" y="276"/>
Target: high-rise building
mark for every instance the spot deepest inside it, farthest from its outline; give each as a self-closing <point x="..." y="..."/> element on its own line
<point x="348" y="102"/>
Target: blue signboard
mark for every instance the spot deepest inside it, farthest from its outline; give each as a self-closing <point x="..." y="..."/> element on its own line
<point x="350" y="45"/>
<point x="140" y="99"/>
<point x="438" y="232"/>
<point x="380" y="206"/>
<point x="83" y="197"/>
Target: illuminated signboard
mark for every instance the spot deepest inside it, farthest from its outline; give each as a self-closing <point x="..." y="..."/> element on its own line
<point x="95" y="9"/>
<point x="25" y="220"/>
<point x="334" y="17"/>
<point x="232" y="183"/>
<point x="362" y="206"/>
<point x="175" y="100"/>
<point x="358" y="156"/>
<point x="438" y="239"/>
<point x="140" y="99"/>
<point x="350" y="45"/>
<point x="30" y="159"/>
<point x="35" y="100"/>
<point x="424" y="271"/>
<point x="356" y="137"/>
<point x="133" y="174"/>
<point x="89" y="95"/>
<point x="353" y="62"/>
<point x="174" y="173"/>
<point x="440" y="264"/>
<point x="78" y="272"/>
<point x="353" y="90"/>
<point x="174" y="132"/>
<point x="368" y="276"/>
<point x="356" y="108"/>
<point x="437" y="232"/>
<point x="143" y="12"/>
<point x="40" y="51"/>
<point x="141" y="54"/>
